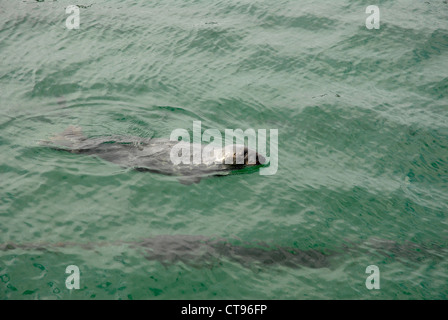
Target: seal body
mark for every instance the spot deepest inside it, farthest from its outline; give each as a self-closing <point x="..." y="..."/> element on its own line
<point x="156" y="154"/>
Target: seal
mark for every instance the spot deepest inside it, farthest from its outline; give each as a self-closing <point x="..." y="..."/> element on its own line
<point x="155" y="154"/>
<point x="198" y="250"/>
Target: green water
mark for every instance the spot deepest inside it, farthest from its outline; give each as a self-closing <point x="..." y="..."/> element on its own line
<point x="362" y="117"/>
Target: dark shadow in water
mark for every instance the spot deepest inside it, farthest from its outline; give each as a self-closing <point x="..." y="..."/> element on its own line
<point x="201" y="251"/>
<point x="198" y="249"/>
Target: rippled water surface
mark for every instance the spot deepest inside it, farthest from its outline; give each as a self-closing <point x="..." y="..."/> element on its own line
<point x="362" y="119"/>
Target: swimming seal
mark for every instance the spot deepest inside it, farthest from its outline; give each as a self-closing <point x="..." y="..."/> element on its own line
<point x="154" y="154"/>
